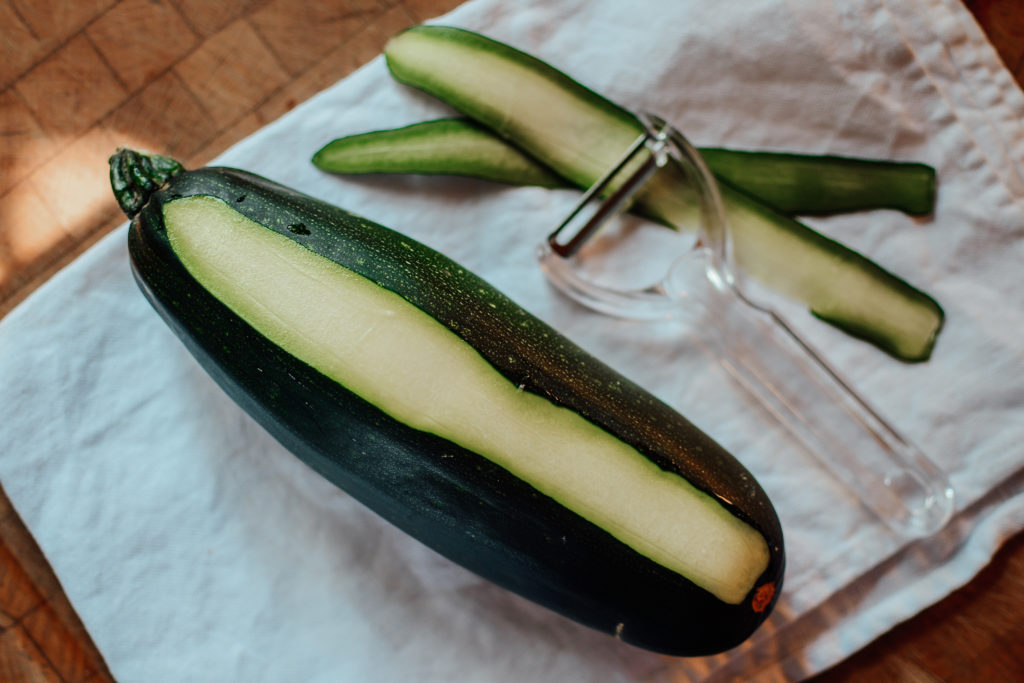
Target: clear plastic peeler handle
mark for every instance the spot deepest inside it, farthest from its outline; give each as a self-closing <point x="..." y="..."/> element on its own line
<point x="891" y="476"/>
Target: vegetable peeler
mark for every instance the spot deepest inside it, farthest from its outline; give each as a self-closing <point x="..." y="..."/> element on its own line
<point x="824" y="413"/>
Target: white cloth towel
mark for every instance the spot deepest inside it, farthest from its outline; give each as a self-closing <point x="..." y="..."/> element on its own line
<point x="196" y="549"/>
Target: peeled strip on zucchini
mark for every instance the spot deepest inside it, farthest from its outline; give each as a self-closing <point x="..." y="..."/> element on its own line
<point x="440" y="147"/>
<point x="453" y="413"/>
<point x="804" y="184"/>
<point x="580" y="135"/>
<point x="791" y="183"/>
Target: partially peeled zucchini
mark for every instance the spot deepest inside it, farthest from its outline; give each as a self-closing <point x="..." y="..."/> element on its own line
<point x="452" y="412"/>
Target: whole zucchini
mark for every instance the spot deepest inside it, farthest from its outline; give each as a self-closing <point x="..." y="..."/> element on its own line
<point x="453" y="413"/>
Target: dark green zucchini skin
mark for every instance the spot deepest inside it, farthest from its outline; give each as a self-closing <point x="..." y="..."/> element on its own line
<point x="453" y="500"/>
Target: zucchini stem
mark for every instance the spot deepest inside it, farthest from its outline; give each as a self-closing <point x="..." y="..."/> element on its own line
<point x="135" y="176"/>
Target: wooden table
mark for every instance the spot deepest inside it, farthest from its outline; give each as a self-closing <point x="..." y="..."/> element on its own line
<point x="76" y="80"/>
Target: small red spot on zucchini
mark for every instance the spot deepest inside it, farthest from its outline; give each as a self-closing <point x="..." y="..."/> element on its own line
<point x="763" y="597"/>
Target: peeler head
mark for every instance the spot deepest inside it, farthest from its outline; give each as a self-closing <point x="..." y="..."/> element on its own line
<point x="607" y="255"/>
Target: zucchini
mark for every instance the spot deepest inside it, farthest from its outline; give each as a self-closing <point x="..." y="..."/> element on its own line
<point x="580" y="135"/>
<point x="429" y="396"/>
<point x="806" y="184"/>
<point x="441" y="147"/>
<point x="794" y="184"/>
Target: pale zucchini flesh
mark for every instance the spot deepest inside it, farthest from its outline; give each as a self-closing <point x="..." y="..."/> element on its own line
<point x="579" y="134"/>
<point x="386" y="350"/>
<point x="443" y="146"/>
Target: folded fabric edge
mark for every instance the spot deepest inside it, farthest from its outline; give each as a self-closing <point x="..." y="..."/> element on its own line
<point x="981" y="88"/>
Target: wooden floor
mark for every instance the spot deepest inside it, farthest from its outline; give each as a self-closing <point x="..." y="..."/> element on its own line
<point x="80" y="77"/>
